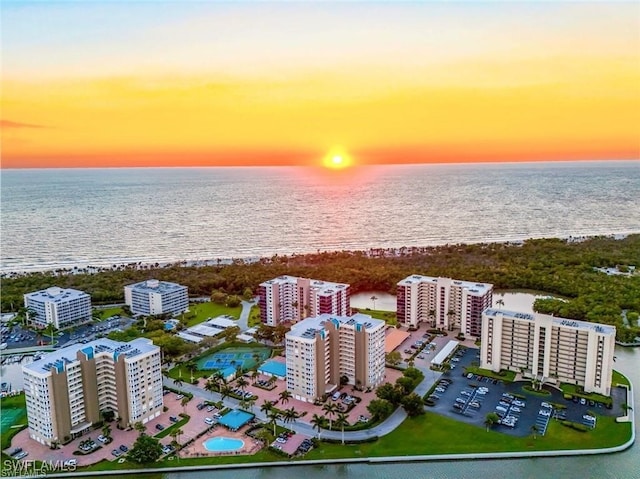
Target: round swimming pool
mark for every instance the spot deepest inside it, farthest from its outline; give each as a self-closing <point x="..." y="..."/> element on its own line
<point x="223" y="444"/>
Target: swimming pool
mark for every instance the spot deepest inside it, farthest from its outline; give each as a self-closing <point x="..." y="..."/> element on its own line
<point x="223" y="444"/>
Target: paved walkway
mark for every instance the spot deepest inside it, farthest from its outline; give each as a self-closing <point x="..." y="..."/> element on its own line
<point x="243" y="321"/>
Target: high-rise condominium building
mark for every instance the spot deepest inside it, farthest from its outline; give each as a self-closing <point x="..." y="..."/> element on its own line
<point x="63" y="308"/>
<point x="288" y="298"/>
<point x="443" y="303"/>
<point x="67" y="390"/>
<point x="549" y="349"/>
<point x="156" y="297"/>
<point x="322" y="350"/>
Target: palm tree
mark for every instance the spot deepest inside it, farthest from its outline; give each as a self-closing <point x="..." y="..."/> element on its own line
<point x="491" y="419"/>
<point x="141" y="428"/>
<point x="266" y="406"/>
<point x="432" y="317"/>
<point x="285" y="396"/>
<point x="290" y="415"/>
<point x="272" y="380"/>
<point x="500" y="302"/>
<point x="331" y="409"/>
<point x="177" y="382"/>
<point x="242" y="383"/>
<point x="254" y="375"/>
<point x="225" y="391"/>
<point x="106" y="431"/>
<point x="318" y="422"/>
<point x="184" y="402"/>
<point x="534" y="430"/>
<point x="374" y="298"/>
<point x="273" y="414"/>
<point x="250" y="402"/>
<point x="341" y="422"/>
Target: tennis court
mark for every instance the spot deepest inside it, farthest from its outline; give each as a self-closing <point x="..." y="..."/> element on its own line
<point x="9" y="418"/>
<point x="234" y="358"/>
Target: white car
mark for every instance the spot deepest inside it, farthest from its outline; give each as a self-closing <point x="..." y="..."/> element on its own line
<point x="71" y="462"/>
<point x="208" y="420"/>
<point x="544" y="412"/>
<point x="102" y="439"/>
<point x="179" y="396"/>
<point x="545" y="404"/>
<point x="21" y="455"/>
<point x="515" y="409"/>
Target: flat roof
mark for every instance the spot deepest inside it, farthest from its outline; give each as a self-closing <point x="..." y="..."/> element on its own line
<point x="221" y="322"/>
<point x="445" y="352"/>
<point x="308" y="328"/>
<point x="478" y="288"/>
<point x="156" y="286"/>
<point x="56" y="294"/>
<point x="190" y="337"/>
<point x="556" y="321"/>
<point x="69" y="354"/>
<point x="318" y="285"/>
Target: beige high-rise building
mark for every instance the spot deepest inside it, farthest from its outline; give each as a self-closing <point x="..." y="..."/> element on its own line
<point x="67" y="390"/>
<point x="291" y="299"/>
<point x="443" y="303"/>
<point x="549" y="349"/>
<point x="323" y="349"/>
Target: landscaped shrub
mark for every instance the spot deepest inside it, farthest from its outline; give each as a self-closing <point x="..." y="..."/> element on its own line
<point x="576" y="426"/>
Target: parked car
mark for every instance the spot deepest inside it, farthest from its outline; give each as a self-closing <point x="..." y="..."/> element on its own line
<point x="103" y="439"/>
<point x="209" y="421"/>
<point x="173" y="419"/>
<point x="124" y="448"/>
<point x="21" y="455"/>
<point x="116" y="453"/>
<point x="159" y="427"/>
<point x="179" y="396"/>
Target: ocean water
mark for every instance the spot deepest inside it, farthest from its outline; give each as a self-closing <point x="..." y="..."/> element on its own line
<point x="59" y="218"/>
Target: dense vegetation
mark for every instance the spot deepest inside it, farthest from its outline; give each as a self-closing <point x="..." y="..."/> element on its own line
<point x="555" y="266"/>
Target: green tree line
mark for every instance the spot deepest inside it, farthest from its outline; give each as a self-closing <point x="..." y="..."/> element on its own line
<point x="555" y="266"/>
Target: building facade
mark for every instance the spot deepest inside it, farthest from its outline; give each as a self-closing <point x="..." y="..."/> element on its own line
<point x="156" y="297"/>
<point x="549" y="349"/>
<point x="67" y="390"/>
<point x="443" y="303"/>
<point x="64" y="308"/>
<point x="323" y="350"/>
<point x="291" y="299"/>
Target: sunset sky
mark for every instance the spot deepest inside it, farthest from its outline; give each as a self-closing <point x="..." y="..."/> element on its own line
<point x="163" y="83"/>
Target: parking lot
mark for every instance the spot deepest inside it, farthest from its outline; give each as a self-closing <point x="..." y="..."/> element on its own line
<point x="470" y="399"/>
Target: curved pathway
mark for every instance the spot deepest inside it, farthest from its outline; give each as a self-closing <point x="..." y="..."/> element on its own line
<point x="382" y="429"/>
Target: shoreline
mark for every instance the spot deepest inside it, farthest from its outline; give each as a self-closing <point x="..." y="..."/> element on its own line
<point x="368" y="460"/>
<point x="104" y="265"/>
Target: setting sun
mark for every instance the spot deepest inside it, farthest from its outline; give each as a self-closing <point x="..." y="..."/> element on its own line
<point x="337" y="160"/>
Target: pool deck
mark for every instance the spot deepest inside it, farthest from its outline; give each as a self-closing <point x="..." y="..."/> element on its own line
<point x="197" y="449"/>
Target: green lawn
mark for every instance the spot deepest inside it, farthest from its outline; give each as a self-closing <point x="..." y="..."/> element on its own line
<point x="430" y="434"/>
<point x="573" y="390"/>
<point x="387" y="316"/>
<point x="167" y="431"/>
<point x="107" y="313"/>
<point x="435" y="434"/>
<point x="254" y="316"/>
<point x="204" y="311"/>
<point x="619" y="379"/>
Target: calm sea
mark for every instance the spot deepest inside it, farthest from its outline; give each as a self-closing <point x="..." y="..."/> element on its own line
<point x="53" y="218"/>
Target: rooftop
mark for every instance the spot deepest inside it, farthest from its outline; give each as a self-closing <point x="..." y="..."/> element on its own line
<point x="309" y="327"/>
<point x="69" y="354"/>
<point x="156" y="286"/>
<point x="477" y="288"/>
<point x="563" y="322"/>
<point x="316" y="284"/>
<point x="56" y="294"/>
